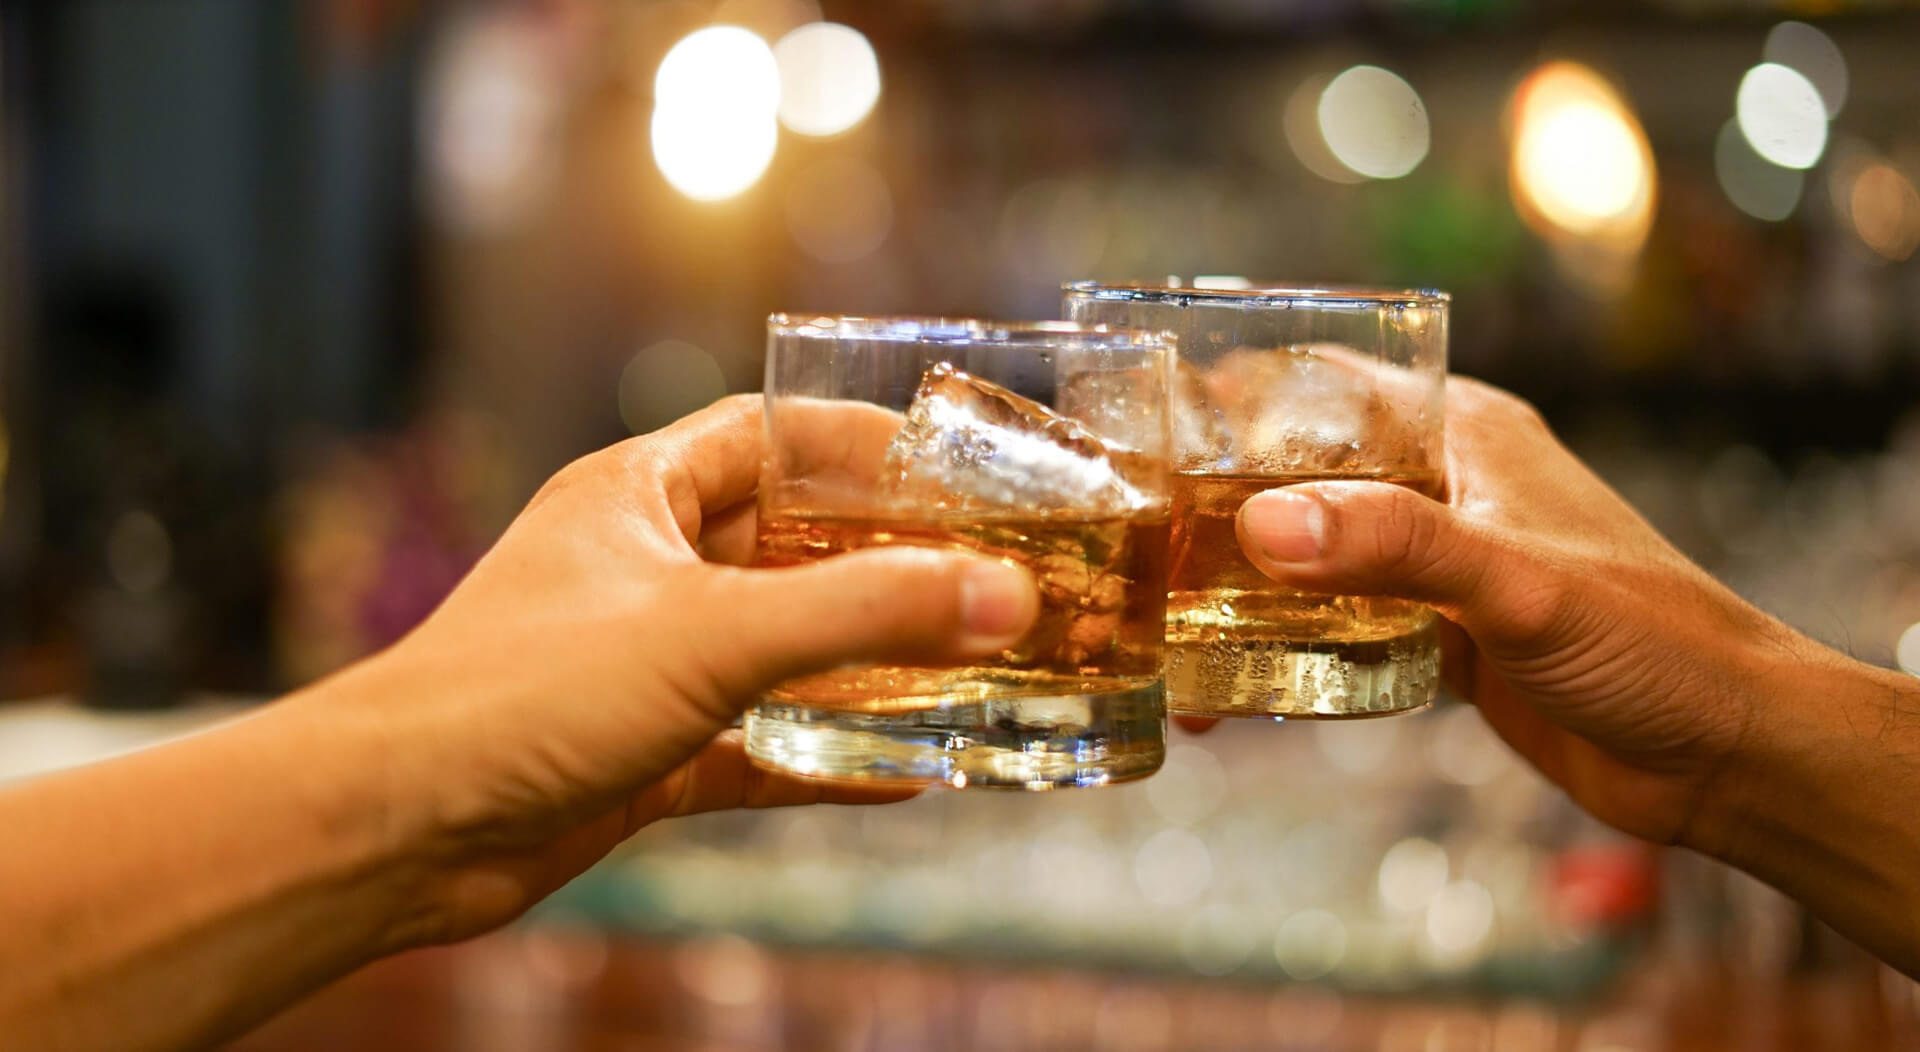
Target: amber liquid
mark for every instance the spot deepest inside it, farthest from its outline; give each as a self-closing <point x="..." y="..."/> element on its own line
<point x="1076" y="702"/>
<point x="1238" y="644"/>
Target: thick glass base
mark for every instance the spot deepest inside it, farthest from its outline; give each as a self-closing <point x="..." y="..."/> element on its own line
<point x="1034" y="743"/>
<point x="1303" y="679"/>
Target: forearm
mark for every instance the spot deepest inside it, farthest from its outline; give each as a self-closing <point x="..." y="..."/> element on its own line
<point x="169" y="898"/>
<point x="1823" y="800"/>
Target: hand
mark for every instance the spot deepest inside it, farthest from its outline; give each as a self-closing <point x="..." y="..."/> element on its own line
<point x="1616" y="666"/>
<point x="1663" y="703"/>
<point x="572" y="688"/>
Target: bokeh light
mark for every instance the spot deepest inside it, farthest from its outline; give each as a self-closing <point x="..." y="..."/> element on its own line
<point x="1374" y="122"/>
<point x="1782" y="115"/>
<point x="1411" y="873"/>
<point x="1310" y="944"/>
<point x="1801" y="47"/>
<point x="1580" y="159"/>
<point x="711" y="160"/>
<point x="489" y="118"/>
<point x="1885" y="211"/>
<point x="829" y="78"/>
<point x="139" y="552"/>
<point x="1173" y="867"/>
<point x="1755" y="185"/>
<point x="1300" y="124"/>
<point x="665" y="382"/>
<point x="715" y="97"/>
<point x="1459" y="920"/>
<point x="719" y="69"/>
<point x="1189" y="787"/>
<point x="1907" y="650"/>
<point x="839" y="210"/>
<point x="1582" y="174"/>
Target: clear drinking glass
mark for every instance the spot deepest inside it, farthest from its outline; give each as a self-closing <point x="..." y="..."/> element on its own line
<point x="1277" y="386"/>
<point x="1044" y="444"/>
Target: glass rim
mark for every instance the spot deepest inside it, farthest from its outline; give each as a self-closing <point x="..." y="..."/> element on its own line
<point x="922" y="329"/>
<point x="1259" y="294"/>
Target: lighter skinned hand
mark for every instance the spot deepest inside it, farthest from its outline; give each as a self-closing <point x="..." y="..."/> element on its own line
<point x="1616" y="666"/>
<point x="580" y="683"/>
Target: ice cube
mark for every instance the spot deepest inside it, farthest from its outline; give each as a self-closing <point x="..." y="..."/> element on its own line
<point x="1115" y="403"/>
<point x="1308" y="408"/>
<point x="970" y="445"/>
<point x="1200" y="436"/>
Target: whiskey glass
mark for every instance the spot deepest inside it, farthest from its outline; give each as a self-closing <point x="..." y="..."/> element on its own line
<point x="1043" y="444"/>
<point x="1276" y="386"/>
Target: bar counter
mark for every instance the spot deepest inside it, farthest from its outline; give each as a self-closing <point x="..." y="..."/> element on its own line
<point x="582" y="992"/>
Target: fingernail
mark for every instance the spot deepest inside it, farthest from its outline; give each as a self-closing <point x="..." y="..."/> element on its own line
<point x="1287" y="527"/>
<point x="996" y="601"/>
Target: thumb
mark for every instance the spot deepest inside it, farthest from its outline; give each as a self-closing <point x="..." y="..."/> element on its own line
<point x="880" y="605"/>
<point x="1367" y="538"/>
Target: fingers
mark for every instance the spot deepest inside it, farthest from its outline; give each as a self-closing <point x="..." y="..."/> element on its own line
<point x="708" y="461"/>
<point x="727" y="537"/>
<point x="1373" y="538"/>
<point x="702" y="463"/>
<point x="823" y="436"/>
<point x="837" y="449"/>
<point x="711" y="462"/>
<point x="1367" y="538"/>
<point x="882" y="605"/>
<point x="720" y="778"/>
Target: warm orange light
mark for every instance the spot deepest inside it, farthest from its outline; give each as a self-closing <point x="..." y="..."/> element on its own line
<point x="1582" y="172"/>
<point x="1885" y="209"/>
<point x="715" y="96"/>
<point x="1580" y="160"/>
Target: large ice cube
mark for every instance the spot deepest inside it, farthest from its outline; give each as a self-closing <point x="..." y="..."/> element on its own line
<point x="1116" y="402"/>
<point x="970" y="445"/>
<point x="1317" y="408"/>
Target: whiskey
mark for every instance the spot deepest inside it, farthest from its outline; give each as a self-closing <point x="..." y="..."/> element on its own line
<point x="1080" y="693"/>
<point x="1240" y="644"/>
<point x="1101" y="611"/>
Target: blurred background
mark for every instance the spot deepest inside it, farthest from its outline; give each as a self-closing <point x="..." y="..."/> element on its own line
<point x="303" y="299"/>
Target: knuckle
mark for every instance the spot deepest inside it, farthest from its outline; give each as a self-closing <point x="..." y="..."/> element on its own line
<point x="1537" y="602"/>
<point x="1404" y="537"/>
<point x="1516" y="411"/>
<point x="1495" y="405"/>
<point x="739" y="405"/>
<point x="646" y="458"/>
<point x="636" y="459"/>
<point x="571" y="476"/>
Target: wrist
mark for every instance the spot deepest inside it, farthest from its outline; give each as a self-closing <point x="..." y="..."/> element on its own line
<point x="1815" y="796"/>
<point x="454" y="856"/>
<point x="1795" y="697"/>
<point x="362" y="795"/>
